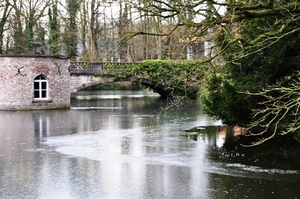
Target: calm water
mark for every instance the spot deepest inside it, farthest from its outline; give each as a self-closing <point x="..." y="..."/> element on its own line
<point x="116" y="145"/>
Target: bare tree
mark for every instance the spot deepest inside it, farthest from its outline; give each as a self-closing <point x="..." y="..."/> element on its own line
<point x="27" y="15"/>
<point x="5" y="10"/>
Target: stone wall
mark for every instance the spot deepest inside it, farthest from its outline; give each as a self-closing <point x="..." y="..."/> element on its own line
<point x="17" y="74"/>
<point x="79" y="82"/>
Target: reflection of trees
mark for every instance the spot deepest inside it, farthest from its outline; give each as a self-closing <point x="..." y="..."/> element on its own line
<point x="207" y="134"/>
<point x="274" y="154"/>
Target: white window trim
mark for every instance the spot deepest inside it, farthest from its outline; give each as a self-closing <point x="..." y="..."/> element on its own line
<point x="39" y="81"/>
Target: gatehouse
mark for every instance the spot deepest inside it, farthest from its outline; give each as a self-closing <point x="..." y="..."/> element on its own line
<point x="34" y="82"/>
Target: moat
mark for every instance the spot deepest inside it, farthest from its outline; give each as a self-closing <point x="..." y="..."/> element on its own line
<point x="118" y="144"/>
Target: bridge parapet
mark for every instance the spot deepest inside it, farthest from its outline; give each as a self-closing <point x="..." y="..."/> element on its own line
<point x="85" y="68"/>
<point x="90" y="68"/>
<point x="108" y="65"/>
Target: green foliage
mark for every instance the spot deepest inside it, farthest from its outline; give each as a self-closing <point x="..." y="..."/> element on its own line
<point x="179" y="78"/>
<point x="252" y="66"/>
<point x="222" y="101"/>
<point x="54" y="29"/>
<point x="71" y="31"/>
<point x="29" y="32"/>
<point x="113" y="86"/>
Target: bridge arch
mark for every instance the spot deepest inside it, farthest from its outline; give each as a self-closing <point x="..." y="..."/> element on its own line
<point x="84" y="75"/>
<point x="78" y="83"/>
<point x="83" y="81"/>
<point x="164" y="94"/>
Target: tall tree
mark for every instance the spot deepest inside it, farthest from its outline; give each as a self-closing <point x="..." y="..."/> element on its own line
<point x="5" y="9"/>
<point x="95" y="27"/>
<point x="17" y="25"/>
<point x="25" y="22"/>
<point x="54" y="40"/>
<point x="90" y="29"/>
<point x="71" y="28"/>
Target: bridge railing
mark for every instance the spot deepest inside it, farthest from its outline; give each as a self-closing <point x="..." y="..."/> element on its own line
<point x="90" y="68"/>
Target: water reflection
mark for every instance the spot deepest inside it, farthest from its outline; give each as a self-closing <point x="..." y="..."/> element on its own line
<point x="274" y="156"/>
<point x="41" y="126"/>
<point x="124" y="149"/>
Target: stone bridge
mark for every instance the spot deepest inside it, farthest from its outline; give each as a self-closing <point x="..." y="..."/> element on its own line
<point x="46" y="82"/>
<point x="84" y="74"/>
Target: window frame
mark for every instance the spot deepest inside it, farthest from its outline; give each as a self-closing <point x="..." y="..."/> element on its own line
<point x="41" y="86"/>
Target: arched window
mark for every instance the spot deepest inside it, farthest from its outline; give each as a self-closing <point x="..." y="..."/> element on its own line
<point x="40" y="88"/>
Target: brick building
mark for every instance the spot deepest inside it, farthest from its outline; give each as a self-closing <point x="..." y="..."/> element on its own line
<point x="34" y="82"/>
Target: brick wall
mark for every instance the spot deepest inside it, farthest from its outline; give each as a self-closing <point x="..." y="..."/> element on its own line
<point x="17" y="74"/>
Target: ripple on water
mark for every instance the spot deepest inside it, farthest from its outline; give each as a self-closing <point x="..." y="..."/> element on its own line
<point x="106" y="146"/>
